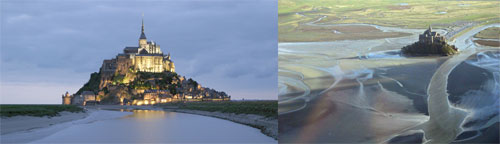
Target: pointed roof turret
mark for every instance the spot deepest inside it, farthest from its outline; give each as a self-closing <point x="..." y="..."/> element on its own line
<point x="143" y="36"/>
<point x="428" y="31"/>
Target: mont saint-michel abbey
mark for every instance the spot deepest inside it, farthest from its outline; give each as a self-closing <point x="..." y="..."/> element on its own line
<point x="142" y="74"/>
<point x="145" y="57"/>
<point x="430" y="37"/>
<point x="430" y="43"/>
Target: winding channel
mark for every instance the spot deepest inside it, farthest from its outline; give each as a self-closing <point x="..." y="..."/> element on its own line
<point x="445" y="120"/>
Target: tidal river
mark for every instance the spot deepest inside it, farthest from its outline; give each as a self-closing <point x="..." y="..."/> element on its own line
<point x="149" y="126"/>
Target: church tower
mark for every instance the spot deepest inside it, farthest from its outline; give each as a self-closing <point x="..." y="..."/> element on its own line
<point x="66" y="99"/>
<point x="142" y="40"/>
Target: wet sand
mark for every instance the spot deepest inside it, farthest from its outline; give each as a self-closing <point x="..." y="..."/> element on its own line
<point x="474" y="86"/>
<point x="464" y="78"/>
<point x="24" y="123"/>
<point x="492" y="43"/>
<point x="268" y="126"/>
<point x="54" y="125"/>
<point x="365" y="91"/>
<point x="487" y="135"/>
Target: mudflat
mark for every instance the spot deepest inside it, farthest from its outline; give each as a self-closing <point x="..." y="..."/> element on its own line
<point x="491" y="43"/>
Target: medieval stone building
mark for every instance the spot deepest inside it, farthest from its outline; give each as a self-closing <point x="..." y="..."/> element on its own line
<point x="145" y="57"/>
<point x="66" y="99"/>
<point x="430" y="37"/>
<point x="83" y="99"/>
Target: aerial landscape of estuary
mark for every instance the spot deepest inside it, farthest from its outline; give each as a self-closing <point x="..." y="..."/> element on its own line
<point x="343" y="78"/>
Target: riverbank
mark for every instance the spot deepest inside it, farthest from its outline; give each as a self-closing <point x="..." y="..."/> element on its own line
<point x="25" y="129"/>
<point x="38" y="110"/>
<point x="15" y="118"/>
<point x="24" y="123"/>
<point x="261" y="114"/>
<point x="267" y="125"/>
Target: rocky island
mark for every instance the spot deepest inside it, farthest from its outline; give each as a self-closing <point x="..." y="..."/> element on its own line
<point x="430" y="43"/>
<point x="141" y="75"/>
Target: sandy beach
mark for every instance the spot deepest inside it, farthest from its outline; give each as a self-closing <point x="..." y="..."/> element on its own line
<point x="24" y="123"/>
<point x="24" y="129"/>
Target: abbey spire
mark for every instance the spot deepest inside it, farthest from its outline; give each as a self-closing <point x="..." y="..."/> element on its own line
<point x="143" y="36"/>
<point x="142" y="40"/>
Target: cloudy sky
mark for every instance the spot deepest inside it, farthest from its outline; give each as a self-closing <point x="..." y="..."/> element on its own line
<point x="49" y="47"/>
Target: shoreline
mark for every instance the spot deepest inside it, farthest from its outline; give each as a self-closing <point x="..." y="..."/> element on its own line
<point x="52" y="125"/>
<point x="26" y="129"/>
<point x="25" y="123"/>
<point x="267" y="126"/>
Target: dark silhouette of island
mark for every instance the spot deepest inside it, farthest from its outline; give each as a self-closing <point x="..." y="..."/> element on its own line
<point x="430" y="43"/>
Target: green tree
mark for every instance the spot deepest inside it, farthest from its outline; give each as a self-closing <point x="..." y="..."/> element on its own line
<point x="92" y="84"/>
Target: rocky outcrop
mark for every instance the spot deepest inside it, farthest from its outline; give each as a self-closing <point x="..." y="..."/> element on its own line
<point x="424" y="49"/>
<point x="133" y="85"/>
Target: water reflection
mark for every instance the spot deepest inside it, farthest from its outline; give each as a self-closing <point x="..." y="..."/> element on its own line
<point x="148" y="114"/>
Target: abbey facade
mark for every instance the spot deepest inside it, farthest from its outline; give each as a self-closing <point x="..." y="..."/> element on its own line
<point x="431" y="37"/>
<point x="145" y="57"/>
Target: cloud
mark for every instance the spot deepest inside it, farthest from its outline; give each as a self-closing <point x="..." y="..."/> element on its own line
<point x="227" y="45"/>
<point x="18" y="18"/>
<point x="66" y="31"/>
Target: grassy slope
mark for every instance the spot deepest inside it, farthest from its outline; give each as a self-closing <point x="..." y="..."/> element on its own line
<point x="264" y="108"/>
<point x="36" y="110"/>
<point x="418" y="14"/>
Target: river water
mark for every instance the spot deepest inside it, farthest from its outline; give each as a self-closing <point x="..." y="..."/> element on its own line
<point x="149" y="126"/>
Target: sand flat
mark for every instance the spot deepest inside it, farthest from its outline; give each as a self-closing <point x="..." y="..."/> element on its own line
<point x="23" y="123"/>
<point x="35" y="128"/>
